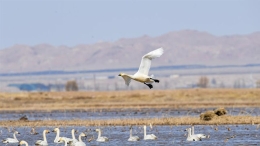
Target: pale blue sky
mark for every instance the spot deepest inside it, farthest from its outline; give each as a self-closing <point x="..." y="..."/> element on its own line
<point x="72" y="22"/>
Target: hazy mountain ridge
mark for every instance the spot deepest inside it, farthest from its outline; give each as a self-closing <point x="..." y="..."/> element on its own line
<point x="181" y="47"/>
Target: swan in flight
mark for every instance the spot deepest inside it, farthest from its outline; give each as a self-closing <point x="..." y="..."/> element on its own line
<point x="11" y="140"/>
<point x="133" y="138"/>
<point x="101" y="138"/>
<point x="23" y="142"/>
<point x="44" y="141"/>
<point x="192" y="137"/>
<point x="142" y="74"/>
<point x="199" y="135"/>
<point x="150" y="136"/>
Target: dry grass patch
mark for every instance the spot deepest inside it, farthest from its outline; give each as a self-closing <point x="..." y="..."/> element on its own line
<point x="207" y="116"/>
<point x="220" y="111"/>
<point x="131" y="99"/>
<point x="219" y="120"/>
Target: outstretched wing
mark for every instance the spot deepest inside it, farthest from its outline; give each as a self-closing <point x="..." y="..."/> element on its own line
<point x="147" y="59"/>
<point x="127" y="80"/>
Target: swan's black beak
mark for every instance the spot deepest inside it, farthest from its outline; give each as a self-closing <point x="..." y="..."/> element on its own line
<point x="119" y="75"/>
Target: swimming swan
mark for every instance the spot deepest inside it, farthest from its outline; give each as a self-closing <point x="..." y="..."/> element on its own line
<point x="56" y="140"/>
<point x="44" y="141"/>
<point x="150" y="136"/>
<point x="192" y="137"/>
<point x="101" y="138"/>
<point x="133" y="138"/>
<point x="23" y="142"/>
<point x="142" y="74"/>
<point x="198" y="135"/>
<point x="80" y="142"/>
<point x="63" y="139"/>
<point x="11" y="140"/>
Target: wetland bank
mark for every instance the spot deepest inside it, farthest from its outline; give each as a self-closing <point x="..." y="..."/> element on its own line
<point x="169" y="111"/>
<point x="113" y="108"/>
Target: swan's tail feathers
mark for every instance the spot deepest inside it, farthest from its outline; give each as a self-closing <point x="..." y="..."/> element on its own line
<point x="154" y="54"/>
<point x="127" y="80"/>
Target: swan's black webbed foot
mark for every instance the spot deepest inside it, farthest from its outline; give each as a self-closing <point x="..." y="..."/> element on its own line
<point x="149" y="85"/>
<point x="156" y="80"/>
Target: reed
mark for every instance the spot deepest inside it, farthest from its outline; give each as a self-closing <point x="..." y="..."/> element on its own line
<point x="190" y="98"/>
<point x="218" y="120"/>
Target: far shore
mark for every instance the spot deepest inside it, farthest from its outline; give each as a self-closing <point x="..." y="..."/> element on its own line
<point x="174" y="121"/>
<point x="137" y="99"/>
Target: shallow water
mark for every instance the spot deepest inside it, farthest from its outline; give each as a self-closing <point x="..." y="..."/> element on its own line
<point x="123" y="113"/>
<point x="167" y="135"/>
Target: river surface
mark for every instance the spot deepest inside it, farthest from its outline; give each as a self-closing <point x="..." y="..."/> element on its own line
<point x="167" y="135"/>
<point x="120" y="113"/>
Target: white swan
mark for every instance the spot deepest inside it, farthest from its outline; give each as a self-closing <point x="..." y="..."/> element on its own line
<point x="44" y="141"/>
<point x="57" y="130"/>
<point x="101" y="138"/>
<point x="133" y="138"/>
<point x="80" y="142"/>
<point x="192" y="137"/>
<point x="11" y="140"/>
<point x="57" y="138"/>
<point x="198" y="135"/>
<point x="63" y="139"/>
<point x="23" y="142"/>
<point x="142" y="74"/>
<point x="150" y="136"/>
<point x="73" y="136"/>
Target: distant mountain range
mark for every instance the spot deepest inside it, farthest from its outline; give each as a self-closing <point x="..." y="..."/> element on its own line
<point x="181" y="48"/>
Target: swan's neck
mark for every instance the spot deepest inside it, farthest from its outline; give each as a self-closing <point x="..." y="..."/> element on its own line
<point x="57" y="134"/>
<point x="66" y="142"/>
<point x="99" y="133"/>
<point x="14" y="136"/>
<point x="73" y="134"/>
<point x="131" y="132"/>
<point x="44" y="136"/>
<point x="26" y="144"/>
<point x="130" y="76"/>
<point x="192" y="130"/>
<point x="189" y="132"/>
<point x="80" y="140"/>
<point x="144" y="131"/>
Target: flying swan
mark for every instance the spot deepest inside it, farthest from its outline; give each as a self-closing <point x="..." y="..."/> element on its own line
<point x="11" y="140"/>
<point x="142" y="74"/>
